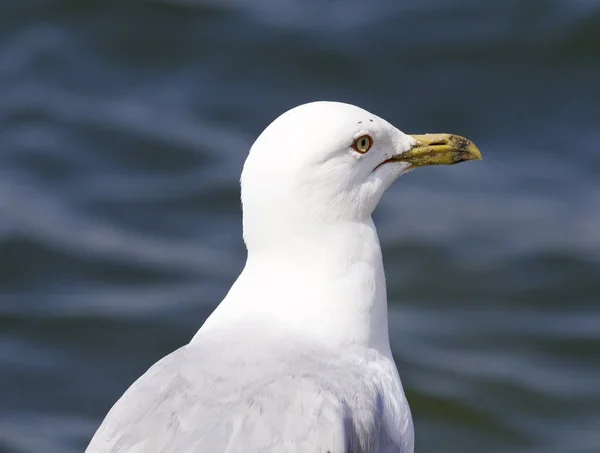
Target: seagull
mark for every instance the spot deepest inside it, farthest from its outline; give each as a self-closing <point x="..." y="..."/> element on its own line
<point x="296" y="358"/>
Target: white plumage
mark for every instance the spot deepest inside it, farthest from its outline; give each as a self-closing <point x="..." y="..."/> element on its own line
<point x="296" y="358"/>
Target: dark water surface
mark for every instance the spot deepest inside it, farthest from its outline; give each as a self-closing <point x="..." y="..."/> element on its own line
<point x="123" y="129"/>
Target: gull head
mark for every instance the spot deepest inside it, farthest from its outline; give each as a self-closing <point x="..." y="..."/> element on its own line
<point x="327" y="162"/>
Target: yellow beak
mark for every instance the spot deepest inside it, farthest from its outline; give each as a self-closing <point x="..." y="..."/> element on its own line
<point x="439" y="149"/>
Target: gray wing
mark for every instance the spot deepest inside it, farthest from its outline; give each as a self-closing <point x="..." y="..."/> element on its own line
<point x="195" y="401"/>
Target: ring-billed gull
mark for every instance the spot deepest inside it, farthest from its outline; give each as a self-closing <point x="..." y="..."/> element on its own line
<point x="296" y="358"/>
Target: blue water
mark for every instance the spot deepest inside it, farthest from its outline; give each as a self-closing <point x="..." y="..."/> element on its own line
<point x="123" y="129"/>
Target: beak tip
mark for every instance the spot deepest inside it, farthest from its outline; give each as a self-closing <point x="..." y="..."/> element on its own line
<point x="475" y="153"/>
<point x="465" y="149"/>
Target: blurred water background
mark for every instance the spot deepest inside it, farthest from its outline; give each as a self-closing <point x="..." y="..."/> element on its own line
<point x="123" y="128"/>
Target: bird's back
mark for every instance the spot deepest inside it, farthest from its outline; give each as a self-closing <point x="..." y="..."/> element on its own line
<point x="250" y="397"/>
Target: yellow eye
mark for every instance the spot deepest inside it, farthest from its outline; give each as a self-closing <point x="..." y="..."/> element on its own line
<point x="362" y="144"/>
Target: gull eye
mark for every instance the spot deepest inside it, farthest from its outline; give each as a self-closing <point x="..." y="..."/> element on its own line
<point x="362" y="144"/>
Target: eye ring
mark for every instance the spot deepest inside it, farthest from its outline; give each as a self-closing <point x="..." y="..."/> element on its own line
<point x="362" y="144"/>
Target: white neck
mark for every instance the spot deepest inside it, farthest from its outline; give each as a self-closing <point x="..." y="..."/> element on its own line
<point x="326" y="285"/>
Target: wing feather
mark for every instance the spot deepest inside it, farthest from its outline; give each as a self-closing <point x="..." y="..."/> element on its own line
<point x="194" y="401"/>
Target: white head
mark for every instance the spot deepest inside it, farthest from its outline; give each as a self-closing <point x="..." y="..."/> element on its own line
<point x="324" y="162"/>
<point x="309" y="186"/>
